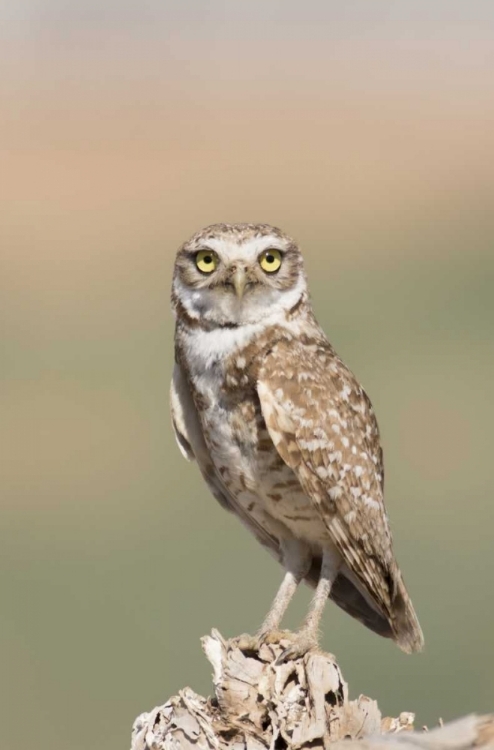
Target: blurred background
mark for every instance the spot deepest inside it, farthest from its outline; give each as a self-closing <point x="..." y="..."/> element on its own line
<point x="365" y="130"/>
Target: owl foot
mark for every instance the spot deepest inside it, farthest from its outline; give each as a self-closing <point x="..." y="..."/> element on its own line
<point x="274" y="637"/>
<point x="247" y="642"/>
<point x="302" y="643"/>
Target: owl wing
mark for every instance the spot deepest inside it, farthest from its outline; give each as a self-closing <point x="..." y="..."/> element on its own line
<point x="323" y="426"/>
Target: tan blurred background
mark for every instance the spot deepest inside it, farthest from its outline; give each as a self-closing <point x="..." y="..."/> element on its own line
<point x="366" y="131"/>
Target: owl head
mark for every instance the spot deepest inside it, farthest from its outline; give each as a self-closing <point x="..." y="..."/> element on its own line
<point x="238" y="274"/>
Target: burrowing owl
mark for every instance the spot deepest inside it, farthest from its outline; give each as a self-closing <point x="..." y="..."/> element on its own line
<point x="284" y="435"/>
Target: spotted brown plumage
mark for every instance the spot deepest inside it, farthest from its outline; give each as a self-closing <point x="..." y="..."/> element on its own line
<point x="283" y="433"/>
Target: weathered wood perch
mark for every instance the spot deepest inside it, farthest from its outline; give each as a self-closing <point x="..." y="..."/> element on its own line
<point x="260" y="704"/>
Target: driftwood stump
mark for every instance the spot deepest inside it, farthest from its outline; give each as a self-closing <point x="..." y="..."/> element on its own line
<point x="261" y="704"/>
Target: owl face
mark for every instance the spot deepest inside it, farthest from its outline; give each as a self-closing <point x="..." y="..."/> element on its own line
<point x="236" y="274"/>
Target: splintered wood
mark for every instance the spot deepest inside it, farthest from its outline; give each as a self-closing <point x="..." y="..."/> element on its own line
<point x="263" y="703"/>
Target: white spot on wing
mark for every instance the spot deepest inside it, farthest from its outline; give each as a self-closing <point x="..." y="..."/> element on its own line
<point x="335" y="492"/>
<point x="370" y="502"/>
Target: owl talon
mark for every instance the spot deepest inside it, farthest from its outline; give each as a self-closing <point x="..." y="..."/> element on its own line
<point x="300" y="646"/>
<point x="246" y="642"/>
<point x="274" y="637"/>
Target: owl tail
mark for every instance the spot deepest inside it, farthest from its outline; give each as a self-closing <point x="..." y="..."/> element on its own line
<point x="400" y="624"/>
<point x="407" y="632"/>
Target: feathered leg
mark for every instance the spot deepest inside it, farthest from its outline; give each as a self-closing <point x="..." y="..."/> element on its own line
<point x="297" y="561"/>
<point x="307" y="637"/>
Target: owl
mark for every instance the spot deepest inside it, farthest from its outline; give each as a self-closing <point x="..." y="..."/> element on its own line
<point x="284" y="435"/>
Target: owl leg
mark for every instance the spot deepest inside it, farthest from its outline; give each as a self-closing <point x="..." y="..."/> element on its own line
<point x="297" y="560"/>
<point x="280" y="603"/>
<point x="307" y="637"/>
<point x="269" y="631"/>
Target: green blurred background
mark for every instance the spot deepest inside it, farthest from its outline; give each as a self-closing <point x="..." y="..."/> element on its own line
<point x="363" y="129"/>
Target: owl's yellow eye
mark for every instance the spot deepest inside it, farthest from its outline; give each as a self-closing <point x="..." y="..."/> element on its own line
<point x="206" y="261"/>
<point x="270" y="261"/>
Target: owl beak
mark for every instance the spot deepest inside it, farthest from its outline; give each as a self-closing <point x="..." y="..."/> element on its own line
<point x="239" y="282"/>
